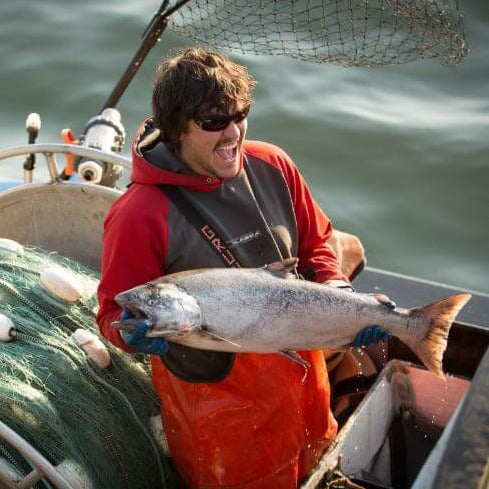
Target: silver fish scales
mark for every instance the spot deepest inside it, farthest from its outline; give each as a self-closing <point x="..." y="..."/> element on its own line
<point x="269" y="310"/>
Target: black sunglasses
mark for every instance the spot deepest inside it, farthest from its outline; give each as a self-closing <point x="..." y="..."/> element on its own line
<point x="220" y="122"/>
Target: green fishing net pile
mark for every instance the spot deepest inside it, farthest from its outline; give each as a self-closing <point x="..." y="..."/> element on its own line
<point x="57" y="399"/>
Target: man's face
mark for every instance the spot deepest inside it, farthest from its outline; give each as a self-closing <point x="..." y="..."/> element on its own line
<point x="214" y="153"/>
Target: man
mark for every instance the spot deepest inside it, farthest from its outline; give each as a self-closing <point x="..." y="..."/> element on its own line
<point x="203" y="196"/>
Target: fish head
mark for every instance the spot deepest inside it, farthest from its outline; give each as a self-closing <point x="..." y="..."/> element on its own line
<point x="172" y="312"/>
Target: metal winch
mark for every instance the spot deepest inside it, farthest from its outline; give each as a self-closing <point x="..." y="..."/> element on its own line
<point x="104" y="132"/>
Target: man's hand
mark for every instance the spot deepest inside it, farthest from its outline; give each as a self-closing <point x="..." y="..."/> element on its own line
<point x="370" y="334"/>
<point x="138" y="340"/>
<point x="373" y="334"/>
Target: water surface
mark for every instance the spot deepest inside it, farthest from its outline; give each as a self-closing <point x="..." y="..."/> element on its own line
<point x="397" y="155"/>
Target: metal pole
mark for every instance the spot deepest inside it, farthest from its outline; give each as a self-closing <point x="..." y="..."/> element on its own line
<point x="31" y="454"/>
<point x="151" y="35"/>
<point x="148" y="42"/>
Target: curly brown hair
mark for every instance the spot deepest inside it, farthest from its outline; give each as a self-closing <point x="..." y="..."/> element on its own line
<point x="193" y="84"/>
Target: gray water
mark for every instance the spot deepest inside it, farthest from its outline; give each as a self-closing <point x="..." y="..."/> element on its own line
<point x="397" y="155"/>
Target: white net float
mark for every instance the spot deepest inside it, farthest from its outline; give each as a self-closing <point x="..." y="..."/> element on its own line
<point x="61" y="284"/>
<point x="10" y="246"/>
<point x="7" y="328"/>
<point x="92" y="346"/>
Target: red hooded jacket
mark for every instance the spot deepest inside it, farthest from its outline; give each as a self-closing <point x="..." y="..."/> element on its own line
<point x="268" y="421"/>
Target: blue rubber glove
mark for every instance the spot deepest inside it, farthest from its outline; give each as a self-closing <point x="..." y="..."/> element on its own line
<point x="138" y="340"/>
<point x="372" y="334"/>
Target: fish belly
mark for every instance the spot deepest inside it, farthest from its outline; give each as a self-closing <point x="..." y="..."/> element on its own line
<point x="281" y="314"/>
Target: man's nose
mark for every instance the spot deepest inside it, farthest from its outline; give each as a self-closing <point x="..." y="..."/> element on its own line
<point x="232" y="130"/>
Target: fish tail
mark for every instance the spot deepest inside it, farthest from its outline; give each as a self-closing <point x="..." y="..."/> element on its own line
<point x="438" y="318"/>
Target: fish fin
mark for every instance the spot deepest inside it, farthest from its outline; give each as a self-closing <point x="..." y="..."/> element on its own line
<point x="438" y="318"/>
<point x="220" y="338"/>
<point x="283" y="268"/>
<point x="295" y="357"/>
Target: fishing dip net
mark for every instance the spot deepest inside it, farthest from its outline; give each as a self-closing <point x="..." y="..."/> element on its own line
<point x="346" y="32"/>
<point x="93" y="422"/>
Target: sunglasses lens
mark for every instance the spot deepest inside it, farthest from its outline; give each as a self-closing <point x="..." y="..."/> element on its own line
<point x="215" y="123"/>
<point x="219" y="123"/>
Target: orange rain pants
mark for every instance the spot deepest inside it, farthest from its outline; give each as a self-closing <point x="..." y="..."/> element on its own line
<point x="264" y="426"/>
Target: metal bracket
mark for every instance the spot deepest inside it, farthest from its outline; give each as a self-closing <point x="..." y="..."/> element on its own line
<point x="42" y="467"/>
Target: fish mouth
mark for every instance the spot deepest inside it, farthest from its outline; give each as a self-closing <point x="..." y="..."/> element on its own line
<point x="171" y="333"/>
<point x="169" y="322"/>
<point x="138" y="315"/>
<point x="130" y="322"/>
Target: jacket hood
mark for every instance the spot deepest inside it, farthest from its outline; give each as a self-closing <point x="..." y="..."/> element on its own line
<point x="155" y="164"/>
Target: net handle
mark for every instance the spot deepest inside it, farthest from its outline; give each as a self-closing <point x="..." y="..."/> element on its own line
<point x="151" y="35"/>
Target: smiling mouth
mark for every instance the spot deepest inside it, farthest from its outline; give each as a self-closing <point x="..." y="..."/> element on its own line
<point x="228" y="152"/>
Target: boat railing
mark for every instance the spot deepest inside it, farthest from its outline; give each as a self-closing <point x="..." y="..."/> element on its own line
<point x="49" y="150"/>
<point x="42" y="467"/>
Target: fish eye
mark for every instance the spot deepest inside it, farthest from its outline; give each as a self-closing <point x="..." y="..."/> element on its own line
<point x="151" y="303"/>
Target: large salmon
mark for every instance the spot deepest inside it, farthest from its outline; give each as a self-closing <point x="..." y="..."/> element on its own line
<point x="269" y="310"/>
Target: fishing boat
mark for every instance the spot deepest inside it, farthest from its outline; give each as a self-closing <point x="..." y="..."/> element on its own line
<point x="390" y="450"/>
